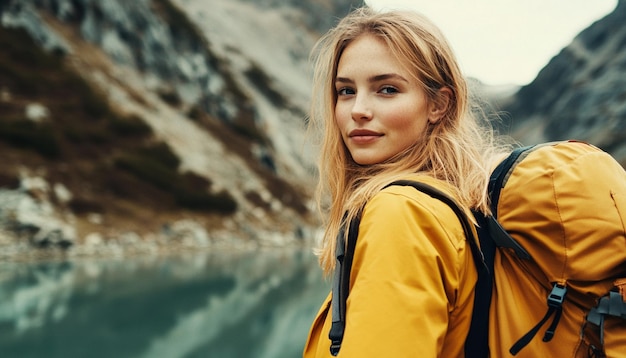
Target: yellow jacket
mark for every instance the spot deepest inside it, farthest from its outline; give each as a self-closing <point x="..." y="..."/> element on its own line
<point x="411" y="284"/>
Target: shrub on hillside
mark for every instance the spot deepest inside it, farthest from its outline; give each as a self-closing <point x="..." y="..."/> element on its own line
<point x="157" y="165"/>
<point x="263" y="82"/>
<point x="195" y="113"/>
<point x="170" y="97"/>
<point x="85" y="206"/>
<point x="148" y="169"/>
<point x="220" y="202"/>
<point x="161" y="153"/>
<point x="39" y="137"/>
<point x="245" y="125"/>
<point x="9" y="181"/>
<point x="81" y="134"/>
<point x="132" y="126"/>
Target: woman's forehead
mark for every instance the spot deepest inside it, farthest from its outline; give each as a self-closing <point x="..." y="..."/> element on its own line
<point x="371" y="52"/>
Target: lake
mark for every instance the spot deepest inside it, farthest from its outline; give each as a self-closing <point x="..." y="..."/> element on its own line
<point x="220" y="304"/>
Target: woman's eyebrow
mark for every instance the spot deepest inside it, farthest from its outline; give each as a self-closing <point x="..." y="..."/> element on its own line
<point x="376" y="78"/>
<point x="387" y="76"/>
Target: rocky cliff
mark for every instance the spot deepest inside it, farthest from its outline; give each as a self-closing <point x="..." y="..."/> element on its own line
<point x="140" y="126"/>
<point x="580" y="93"/>
<point x="154" y="123"/>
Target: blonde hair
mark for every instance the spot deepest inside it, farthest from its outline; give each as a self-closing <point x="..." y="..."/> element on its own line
<point x="456" y="149"/>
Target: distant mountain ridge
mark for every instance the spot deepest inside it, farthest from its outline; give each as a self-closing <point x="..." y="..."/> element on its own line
<point x="580" y="93"/>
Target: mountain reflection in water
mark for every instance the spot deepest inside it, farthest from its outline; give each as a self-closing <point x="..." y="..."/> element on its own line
<point x="255" y="304"/>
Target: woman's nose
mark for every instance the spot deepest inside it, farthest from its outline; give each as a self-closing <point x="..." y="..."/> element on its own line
<point x="361" y="110"/>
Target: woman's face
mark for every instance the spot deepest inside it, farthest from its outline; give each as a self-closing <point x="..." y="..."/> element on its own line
<point x="381" y="109"/>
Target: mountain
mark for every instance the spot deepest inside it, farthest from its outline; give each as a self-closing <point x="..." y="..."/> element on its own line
<point x="154" y="124"/>
<point x="149" y="125"/>
<point x="580" y="94"/>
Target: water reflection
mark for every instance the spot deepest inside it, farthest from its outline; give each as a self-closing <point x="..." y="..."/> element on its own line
<point x="211" y="305"/>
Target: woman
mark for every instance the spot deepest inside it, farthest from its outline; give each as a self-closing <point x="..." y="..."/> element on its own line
<point x="393" y="105"/>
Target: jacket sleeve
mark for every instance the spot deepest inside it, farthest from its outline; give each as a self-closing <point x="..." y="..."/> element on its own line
<point x="410" y="260"/>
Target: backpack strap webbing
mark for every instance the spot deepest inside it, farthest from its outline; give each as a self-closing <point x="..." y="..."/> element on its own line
<point x="496" y="183"/>
<point x="476" y="343"/>
<point x="341" y="281"/>
<point x="555" y="307"/>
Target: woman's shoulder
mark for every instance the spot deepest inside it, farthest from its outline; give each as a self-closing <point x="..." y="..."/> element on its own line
<point x="404" y="206"/>
<point x="397" y="198"/>
<point x="411" y="192"/>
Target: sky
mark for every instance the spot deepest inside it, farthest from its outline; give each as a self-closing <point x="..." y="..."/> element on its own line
<point x="504" y="42"/>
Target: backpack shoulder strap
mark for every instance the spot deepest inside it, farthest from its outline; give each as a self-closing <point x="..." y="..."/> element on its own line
<point x="344" y="253"/>
<point x="496" y="182"/>
<point x="476" y="342"/>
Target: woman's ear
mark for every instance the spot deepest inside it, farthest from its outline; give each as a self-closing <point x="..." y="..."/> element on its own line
<point x="440" y="105"/>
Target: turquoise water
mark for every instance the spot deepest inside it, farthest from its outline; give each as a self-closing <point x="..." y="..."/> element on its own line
<point x="254" y="304"/>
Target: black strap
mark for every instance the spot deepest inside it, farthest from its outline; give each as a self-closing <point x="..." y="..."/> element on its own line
<point x="500" y="174"/>
<point x="555" y="306"/>
<point x="337" y="307"/>
<point x="496" y="183"/>
<point x="523" y="342"/>
<point x="502" y="238"/>
<point x="341" y="282"/>
<point x="476" y="343"/>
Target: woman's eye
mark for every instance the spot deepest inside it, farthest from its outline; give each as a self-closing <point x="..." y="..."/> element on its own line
<point x="345" y="91"/>
<point x="388" y="90"/>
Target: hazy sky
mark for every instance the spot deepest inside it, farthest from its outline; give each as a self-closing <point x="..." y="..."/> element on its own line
<point x="506" y="41"/>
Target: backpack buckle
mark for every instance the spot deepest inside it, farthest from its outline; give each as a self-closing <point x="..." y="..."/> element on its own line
<point x="557" y="296"/>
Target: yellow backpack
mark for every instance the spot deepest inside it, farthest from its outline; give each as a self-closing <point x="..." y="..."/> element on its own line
<point x="559" y="228"/>
<point x="554" y="250"/>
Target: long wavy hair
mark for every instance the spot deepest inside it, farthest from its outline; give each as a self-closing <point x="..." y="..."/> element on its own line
<point x="457" y="149"/>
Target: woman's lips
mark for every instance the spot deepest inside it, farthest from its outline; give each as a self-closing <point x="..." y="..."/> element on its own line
<point x="362" y="136"/>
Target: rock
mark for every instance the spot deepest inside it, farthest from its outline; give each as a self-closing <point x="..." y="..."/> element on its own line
<point x="95" y="218"/>
<point x="93" y="240"/>
<point x="187" y="232"/>
<point x="35" y="186"/>
<point x="28" y="213"/>
<point x="36" y="112"/>
<point x="18" y="14"/>
<point x="62" y="193"/>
